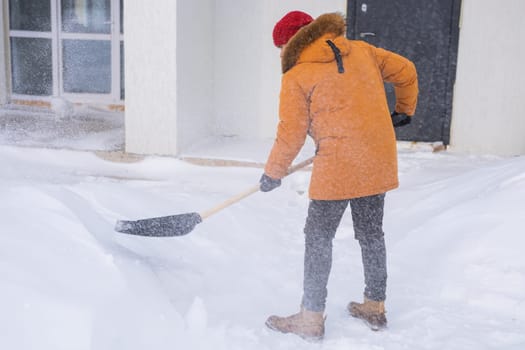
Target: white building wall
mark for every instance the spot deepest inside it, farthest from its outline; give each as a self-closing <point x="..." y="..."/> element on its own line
<point x="203" y="68"/>
<point x="247" y="64"/>
<point x="208" y="67"/>
<point x="489" y="98"/>
<point x="238" y="46"/>
<point x="151" y="76"/>
<point x="195" y="67"/>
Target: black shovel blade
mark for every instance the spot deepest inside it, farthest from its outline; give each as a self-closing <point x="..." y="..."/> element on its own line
<point x="164" y="226"/>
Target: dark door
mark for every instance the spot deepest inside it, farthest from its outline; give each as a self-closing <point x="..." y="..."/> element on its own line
<point x="426" y="32"/>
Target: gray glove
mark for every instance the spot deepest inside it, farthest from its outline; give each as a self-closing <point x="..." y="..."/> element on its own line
<point x="400" y="119"/>
<point x="268" y="183"/>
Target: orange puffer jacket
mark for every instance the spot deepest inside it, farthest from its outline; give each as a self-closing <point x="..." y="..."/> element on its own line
<point x="346" y="113"/>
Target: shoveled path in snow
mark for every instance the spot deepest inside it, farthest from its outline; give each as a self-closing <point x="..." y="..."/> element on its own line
<point x="454" y="234"/>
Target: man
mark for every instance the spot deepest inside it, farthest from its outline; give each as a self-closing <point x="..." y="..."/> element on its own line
<point x="333" y="90"/>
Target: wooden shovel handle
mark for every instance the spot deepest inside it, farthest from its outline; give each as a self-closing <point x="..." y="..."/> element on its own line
<point x="250" y="191"/>
<point x="300" y="165"/>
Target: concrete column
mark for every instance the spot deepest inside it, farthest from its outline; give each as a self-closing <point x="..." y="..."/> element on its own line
<point x="151" y="76"/>
<point x="4" y="41"/>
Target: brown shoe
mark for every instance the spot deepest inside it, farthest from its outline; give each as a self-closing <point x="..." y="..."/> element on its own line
<point x="308" y="325"/>
<point x="371" y="312"/>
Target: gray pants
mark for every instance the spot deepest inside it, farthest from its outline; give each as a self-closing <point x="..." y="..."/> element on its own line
<point x="321" y="225"/>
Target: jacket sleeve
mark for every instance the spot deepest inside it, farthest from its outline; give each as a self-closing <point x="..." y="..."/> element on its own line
<point x="292" y="128"/>
<point x="402" y="74"/>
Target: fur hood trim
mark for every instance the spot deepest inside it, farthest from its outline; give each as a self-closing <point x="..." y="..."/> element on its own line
<point x="328" y="23"/>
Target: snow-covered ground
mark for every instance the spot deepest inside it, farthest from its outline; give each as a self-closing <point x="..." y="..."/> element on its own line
<point x="455" y="238"/>
<point x="62" y="126"/>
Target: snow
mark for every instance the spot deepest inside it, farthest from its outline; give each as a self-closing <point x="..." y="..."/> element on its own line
<point x="454" y="230"/>
<point x="64" y="126"/>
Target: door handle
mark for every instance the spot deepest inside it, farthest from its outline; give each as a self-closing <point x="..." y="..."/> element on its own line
<point x="365" y="34"/>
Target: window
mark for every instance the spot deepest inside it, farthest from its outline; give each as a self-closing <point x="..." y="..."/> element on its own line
<point x="71" y="48"/>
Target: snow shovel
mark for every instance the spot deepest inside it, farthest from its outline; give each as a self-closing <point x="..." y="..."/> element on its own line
<point x="182" y="224"/>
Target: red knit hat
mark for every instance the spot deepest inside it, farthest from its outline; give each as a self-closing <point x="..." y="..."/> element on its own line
<point x="289" y="25"/>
